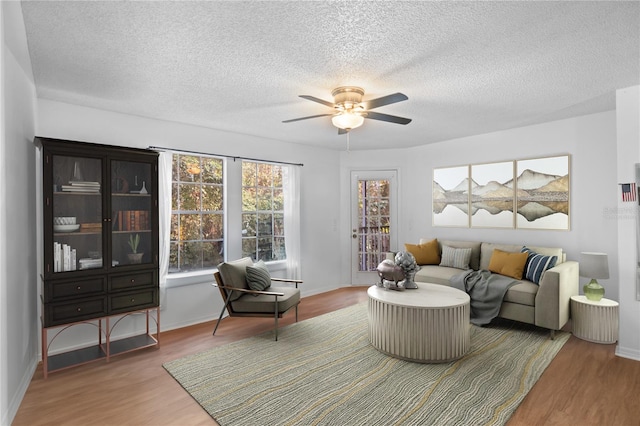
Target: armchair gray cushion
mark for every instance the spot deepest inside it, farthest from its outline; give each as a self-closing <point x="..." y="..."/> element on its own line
<point x="234" y="274"/>
<point x="266" y="304"/>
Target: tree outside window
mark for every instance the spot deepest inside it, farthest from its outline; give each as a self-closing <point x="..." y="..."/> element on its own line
<point x="197" y="213"/>
<point x="262" y="211"/>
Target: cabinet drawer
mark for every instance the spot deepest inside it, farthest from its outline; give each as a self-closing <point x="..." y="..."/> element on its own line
<point x="133" y="280"/>
<point x="54" y="291"/>
<point x="74" y="311"/>
<point x="134" y="301"/>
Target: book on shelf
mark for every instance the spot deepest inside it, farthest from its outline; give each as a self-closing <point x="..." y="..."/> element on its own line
<point x="91" y="227"/>
<point x="81" y="186"/>
<point x="69" y="188"/>
<point x="90" y="263"/>
<point x="64" y="258"/>
<point x="131" y="220"/>
<point x="84" y="183"/>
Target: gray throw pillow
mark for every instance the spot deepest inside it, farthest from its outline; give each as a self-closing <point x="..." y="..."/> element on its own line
<point x="455" y="257"/>
<point x="258" y="277"/>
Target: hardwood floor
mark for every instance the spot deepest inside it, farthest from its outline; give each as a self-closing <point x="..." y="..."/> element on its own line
<point x="586" y="384"/>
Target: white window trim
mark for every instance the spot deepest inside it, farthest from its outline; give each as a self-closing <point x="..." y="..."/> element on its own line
<point x="183" y="279"/>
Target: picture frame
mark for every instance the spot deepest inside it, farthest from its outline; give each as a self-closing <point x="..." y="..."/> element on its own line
<point x="492" y="195"/>
<point x="529" y="193"/>
<point x="543" y="189"/>
<point x="450" y="196"/>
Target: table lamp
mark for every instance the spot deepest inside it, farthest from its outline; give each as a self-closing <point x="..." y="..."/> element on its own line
<point x="594" y="266"/>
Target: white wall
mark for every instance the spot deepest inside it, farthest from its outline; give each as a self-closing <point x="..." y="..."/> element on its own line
<point x="18" y="249"/>
<point x="628" y="143"/>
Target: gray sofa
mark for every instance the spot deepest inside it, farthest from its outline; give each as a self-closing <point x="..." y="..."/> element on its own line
<point x="545" y="304"/>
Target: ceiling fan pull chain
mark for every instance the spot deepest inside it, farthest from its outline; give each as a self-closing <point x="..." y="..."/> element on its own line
<point x="348" y="147"/>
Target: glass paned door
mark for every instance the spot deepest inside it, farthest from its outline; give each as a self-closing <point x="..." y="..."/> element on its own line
<point x="77" y="213"/>
<point x="131" y="220"/>
<point x="373" y="195"/>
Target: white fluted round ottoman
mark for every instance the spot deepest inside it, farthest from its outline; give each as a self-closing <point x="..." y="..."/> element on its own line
<point x="428" y="324"/>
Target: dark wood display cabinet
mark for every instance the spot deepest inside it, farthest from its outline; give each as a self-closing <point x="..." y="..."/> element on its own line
<point x="100" y="239"/>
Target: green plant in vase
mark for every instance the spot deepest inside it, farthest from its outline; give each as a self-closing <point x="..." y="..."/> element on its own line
<point x="134" y="256"/>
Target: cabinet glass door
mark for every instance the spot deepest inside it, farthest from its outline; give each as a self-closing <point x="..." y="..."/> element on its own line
<point x="77" y="213"/>
<point x="131" y="220"/>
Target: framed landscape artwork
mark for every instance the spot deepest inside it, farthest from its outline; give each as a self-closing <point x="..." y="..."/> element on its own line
<point x="451" y="196"/>
<point x="492" y="195"/>
<point x="543" y="193"/>
<point x="523" y="194"/>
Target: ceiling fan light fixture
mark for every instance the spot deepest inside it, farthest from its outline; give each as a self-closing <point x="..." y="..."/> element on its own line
<point x="347" y="120"/>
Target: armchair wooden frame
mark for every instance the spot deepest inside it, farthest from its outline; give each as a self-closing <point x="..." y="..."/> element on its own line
<point x="226" y="292"/>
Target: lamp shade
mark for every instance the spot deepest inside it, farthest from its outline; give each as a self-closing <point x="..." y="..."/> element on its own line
<point x="347" y="120"/>
<point x="594" y="265"/>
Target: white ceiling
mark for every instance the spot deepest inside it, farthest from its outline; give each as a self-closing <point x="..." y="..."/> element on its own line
<point x="467" y="67"/>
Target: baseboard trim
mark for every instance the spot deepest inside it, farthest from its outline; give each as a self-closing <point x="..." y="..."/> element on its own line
<point x="633" y="354"/>
<point x="18" y="396"/>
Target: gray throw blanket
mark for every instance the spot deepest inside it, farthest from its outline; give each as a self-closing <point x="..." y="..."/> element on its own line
<point x="486" y="291"/>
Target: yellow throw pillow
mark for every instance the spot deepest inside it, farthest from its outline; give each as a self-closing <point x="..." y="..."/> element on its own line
<point x="507" y="263"/>
<point x="426" y="253"/>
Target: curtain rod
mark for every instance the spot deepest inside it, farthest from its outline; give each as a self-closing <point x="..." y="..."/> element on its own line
<point x="160" y="148"/>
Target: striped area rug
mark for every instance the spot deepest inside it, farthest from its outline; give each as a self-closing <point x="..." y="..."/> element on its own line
<point x="323" y="371"/>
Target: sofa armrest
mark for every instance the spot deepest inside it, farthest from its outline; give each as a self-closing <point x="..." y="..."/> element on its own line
<point x="557" y="286"/>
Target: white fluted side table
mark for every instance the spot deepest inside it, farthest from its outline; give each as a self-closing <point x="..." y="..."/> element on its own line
<point x="427" y="324"/>
<point x="595" y="321"/>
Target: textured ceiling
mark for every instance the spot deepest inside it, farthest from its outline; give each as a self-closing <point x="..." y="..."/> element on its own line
<point x="467" y="67"/>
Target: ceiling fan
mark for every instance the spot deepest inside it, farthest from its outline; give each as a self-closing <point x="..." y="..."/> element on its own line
<point x="350" y="110"/>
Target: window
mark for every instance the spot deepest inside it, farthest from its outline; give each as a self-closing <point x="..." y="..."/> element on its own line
<point x="262" y="211"/>
<point x="197" y="213"/>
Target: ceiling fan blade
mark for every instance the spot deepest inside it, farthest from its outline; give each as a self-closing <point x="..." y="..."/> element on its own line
<point x="386" y="117"/>
<point x="305" y="118"/>
<point x="385" y="100"/>
<point x="318" y="100"/>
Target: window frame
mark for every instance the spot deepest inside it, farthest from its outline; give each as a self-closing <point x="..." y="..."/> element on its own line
<point x="232" y="226"/>
<point x="261" y="188"/>
<point x="215" y="184"/>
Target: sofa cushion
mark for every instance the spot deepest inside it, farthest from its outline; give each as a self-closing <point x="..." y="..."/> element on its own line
<point x="509" y="264"/>
<point x="486" y="251"/>
<point x="435" y="274"/>
<point x="455" y="257"/>
<point x="523" y="293"/>
<point x="474" y="260"/>
<point x="550" y="251"/>
<point x="234" y="274"/>
<point x="258" y="277"/>
<point x="537" y="264"/>
<point x="426" y="253"/>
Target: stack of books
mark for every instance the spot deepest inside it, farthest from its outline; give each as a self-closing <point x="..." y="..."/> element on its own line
<point x="91" y="227"/>
<point x="81" y="186"/>
<point x="64" y="257"/>
<point x="90" y="263"/>
<point x="131" y="220"/>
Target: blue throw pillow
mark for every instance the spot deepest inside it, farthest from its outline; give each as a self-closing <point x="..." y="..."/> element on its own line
<point x="537" y="264"/>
